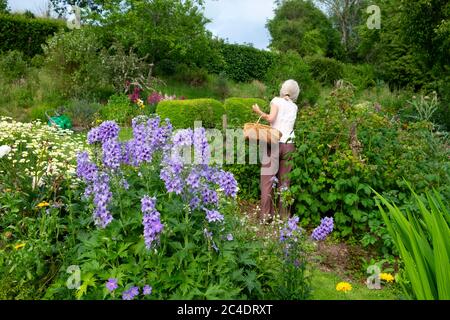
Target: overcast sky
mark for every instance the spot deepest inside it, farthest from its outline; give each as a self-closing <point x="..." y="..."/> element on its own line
<point x="239" y="21"/>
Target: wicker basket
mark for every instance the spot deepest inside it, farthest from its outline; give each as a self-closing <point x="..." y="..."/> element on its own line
<point x="257" y="131"/>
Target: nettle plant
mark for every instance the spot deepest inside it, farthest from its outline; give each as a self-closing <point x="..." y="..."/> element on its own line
<point x="161" y="220"/>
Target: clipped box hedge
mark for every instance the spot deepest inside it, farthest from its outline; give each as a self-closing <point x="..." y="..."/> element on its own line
<point x="183" y="113"/>
<point x="239" y="110"/>
<point x="18" y="32"/>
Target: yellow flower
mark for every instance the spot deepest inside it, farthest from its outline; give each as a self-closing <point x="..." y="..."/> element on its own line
<point x="19" y="246"/>
<point x="343" y="286"/>
<point x="43" y="204"/>
<point x="387" y="277"/>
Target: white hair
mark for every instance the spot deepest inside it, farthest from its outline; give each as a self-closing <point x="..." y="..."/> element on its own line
<point x="290" y="88"/>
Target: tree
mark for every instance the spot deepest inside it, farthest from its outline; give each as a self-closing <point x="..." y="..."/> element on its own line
<point x="4" y="6"/>
<point x="346" y="15"/>
<point x="300" y="26"/>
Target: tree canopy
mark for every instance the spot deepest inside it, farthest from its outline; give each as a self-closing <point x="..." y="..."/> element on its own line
<point x="300" y="26"/>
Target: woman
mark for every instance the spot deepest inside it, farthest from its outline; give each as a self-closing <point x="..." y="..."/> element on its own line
<point x="283" y="113"/>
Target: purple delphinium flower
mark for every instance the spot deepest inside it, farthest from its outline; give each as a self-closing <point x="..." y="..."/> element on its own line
<point x="288" y="231"/>
<point x="194" y="203"/>
<point x="227" y="183"/>
<point x="213" y="216"/>
<point x="102" y="198"/>
<point x="112" y="154"/>
<point x="106" y="131"/>
<point x="322" y="231"/>
<point x="111" y="284"/>
<point x="193" y="180"/>
<point x="201" y="146"/>
<point x="209" y="196"/>
<point x="151" y="221"/>
<point x="86" y="170"/>
<point x="148" y="205"/>
<point x="147" y="290"/>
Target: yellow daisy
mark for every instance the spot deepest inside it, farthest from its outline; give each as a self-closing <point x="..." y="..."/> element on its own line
<point x="19" y="246"/>
<point x="43" y="204"/>
<point x="344" y="286"/>
<point x="387" y="277"/>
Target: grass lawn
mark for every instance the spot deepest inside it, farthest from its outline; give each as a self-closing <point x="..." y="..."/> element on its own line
<point x="324" y="288"/>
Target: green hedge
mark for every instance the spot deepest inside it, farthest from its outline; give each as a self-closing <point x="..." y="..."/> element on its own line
<point x="183" y="113"/>
<point x="239" y="110"/>
<point x="243" y="63"/>
<point x="24" y="34"/>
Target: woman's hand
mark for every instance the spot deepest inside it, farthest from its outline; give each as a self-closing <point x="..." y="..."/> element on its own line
<point x="256" y="109"/>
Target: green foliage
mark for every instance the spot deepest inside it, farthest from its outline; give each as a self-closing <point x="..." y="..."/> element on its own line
<point x="343" y="149"/>
<point x="193" y="76"/>
<point x="39" y="112"/>
<point x="82" y="112"/>
<point x="27" y="35"/>
<point x="73" y="58"/>
<point x="239" y="110"/>
<point x="362" y="76"/>
<point x="4" y="6"/>
<point x="291" y="66"/>
<point x="13" y="65"/>
<point x="325" y="70"/>
<point x="422" y="241"/>
<point x="119" y="109"/>
<point x="243" y="63"/>
<point x="300" y="26"/>
<point x="183" y="113"/>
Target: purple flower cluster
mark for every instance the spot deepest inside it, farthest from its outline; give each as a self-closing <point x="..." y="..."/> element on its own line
<point x="201" y="146"/>
<point x="86" y="170"/>
<point x="148" y="137"/>
<point x="112" y="154"/>
<point x="322" y="231"/>
<point x="111" y="284"/>
<point x="227" y="182"/>
<point x="151" y="221"/>
<point x="213" y="216"/>
<point x="289" y="229"/>
<point x="102" y="198"/>
<point x="147" y="290"/>
<point x="130" y="294"/>
<point x="106" y="131"/>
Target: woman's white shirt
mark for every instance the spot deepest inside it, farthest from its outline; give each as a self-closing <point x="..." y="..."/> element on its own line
<point x="285" y="120"/>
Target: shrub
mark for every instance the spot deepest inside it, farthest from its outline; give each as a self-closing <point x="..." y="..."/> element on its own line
<point x="362" y="76"/>
<point x="342" y="152"/>
<point x="119" y="109"/>
<point x="325" y="70"/>
<point x="183" y="113"/>
<point x="239" y="110"/>
<point x="39" y="112"/>
<point x="26" y="35"/>
<point x="291" y="66"/>
<point x="82" y="112"/>
<point x="13" y="65"/>
<point x="74" y="59"/>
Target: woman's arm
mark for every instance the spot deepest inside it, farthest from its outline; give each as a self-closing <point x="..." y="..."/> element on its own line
<point x="269" y="117"/>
